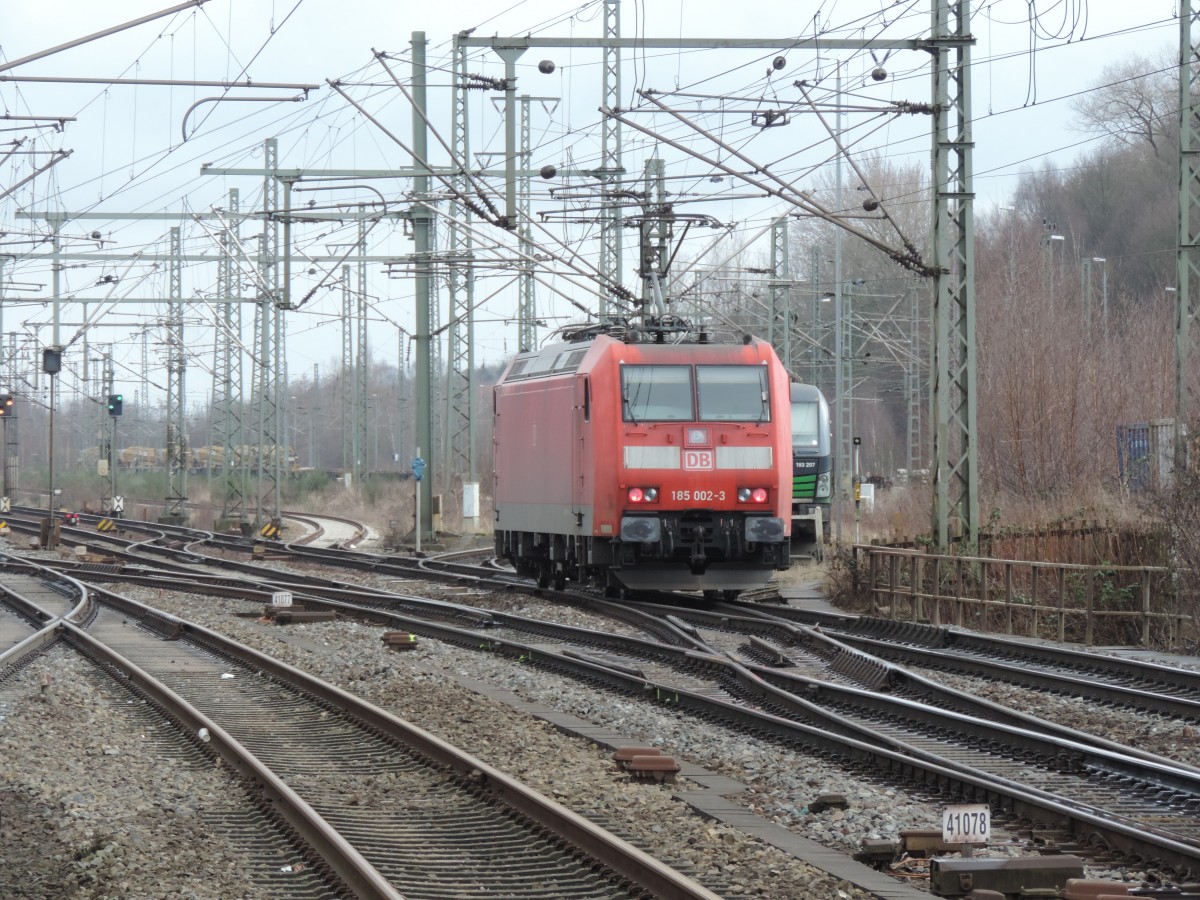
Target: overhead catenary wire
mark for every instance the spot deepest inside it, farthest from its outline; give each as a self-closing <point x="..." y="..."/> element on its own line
<point x="581" y="252"/>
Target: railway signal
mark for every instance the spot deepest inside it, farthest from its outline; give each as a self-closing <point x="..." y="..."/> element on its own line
<point x="6" y="406"/>
<point x="116" y="404"/>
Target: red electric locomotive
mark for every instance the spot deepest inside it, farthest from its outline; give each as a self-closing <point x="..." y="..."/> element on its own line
<point x="641" y="459"/>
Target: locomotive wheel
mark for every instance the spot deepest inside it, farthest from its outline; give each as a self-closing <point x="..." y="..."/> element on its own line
<point x="543" y="578"/>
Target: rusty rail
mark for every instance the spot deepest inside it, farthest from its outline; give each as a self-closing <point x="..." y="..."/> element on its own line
<point x="1054" y="600"/>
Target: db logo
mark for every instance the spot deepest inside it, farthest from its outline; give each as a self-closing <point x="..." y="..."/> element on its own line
<point x="698" y="459"/>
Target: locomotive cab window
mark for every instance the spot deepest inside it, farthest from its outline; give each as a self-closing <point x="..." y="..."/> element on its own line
<point x="657" y="393"/>
<point x="733" y="393"/>
<point x="806" y="428"/>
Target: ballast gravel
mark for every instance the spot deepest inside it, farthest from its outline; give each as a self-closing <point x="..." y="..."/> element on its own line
<point x="90" y="809"/>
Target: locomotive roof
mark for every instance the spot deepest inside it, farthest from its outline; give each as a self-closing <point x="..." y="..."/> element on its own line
<point x="567" y="356"/>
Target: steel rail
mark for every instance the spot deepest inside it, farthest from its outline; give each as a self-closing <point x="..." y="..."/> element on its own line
<point x="621" y="857"/>
<point x="756" y="679"/>
<point x="832" y="733"/>
<point x="954" y="650"/>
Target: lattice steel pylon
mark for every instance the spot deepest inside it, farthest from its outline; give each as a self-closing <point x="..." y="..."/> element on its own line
<point x="108" y="439"/>
<point x="955" y="451"/>
<point x="1187" y="261"/>
<point x="912" y="384"/>
<point x="176" y="508"/>
<point x="461" y="337"/>
<point x="350" y="457"/>
<point x="527" y="303"/>
<point x="779" y="332"/>
<point x="611" y="168"/>
<point x="267" y="323"/>
<point x="227" y="381"/>
<point x="422" y="279"/>
<point x="9" y="435"/>
<point x="362" y="351"/>
<point x="814" y="314"/>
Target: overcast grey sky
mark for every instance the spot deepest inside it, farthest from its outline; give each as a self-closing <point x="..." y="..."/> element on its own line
<point x="128" y="155"/>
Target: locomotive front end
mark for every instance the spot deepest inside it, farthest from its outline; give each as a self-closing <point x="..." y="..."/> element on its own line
<point x="700" y="480"/>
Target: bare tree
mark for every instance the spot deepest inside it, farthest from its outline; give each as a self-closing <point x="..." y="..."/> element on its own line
<point x="1134" y="103"/>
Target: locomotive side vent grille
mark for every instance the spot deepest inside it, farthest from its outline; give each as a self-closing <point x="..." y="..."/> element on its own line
<point x="541" y="366"/>
<point x="518" y="367"/>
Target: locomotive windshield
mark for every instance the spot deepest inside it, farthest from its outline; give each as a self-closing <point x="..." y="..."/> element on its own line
<point x="806" y="424"/>
<point x="810" y="421"/>
<point x="666" y="394"/>
<point x="733" y="393"/>
<point x="657" y="393"/>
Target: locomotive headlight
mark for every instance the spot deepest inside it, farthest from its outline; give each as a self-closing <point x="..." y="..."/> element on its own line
<point x="823" y="484"/>
<point x="752" y="495"/>
<point x="642" y="495"/>
<point x="743" y="495"/>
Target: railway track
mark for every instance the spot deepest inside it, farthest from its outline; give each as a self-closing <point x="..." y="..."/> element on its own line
<point x="1157" y="802"/>
<point x="423" y="804"/>
<point x="1021" y="770"/>
<point x="1107" y="679"/>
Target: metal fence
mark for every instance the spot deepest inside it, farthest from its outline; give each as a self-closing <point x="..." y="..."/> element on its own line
<point x="1088" y="604"/>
